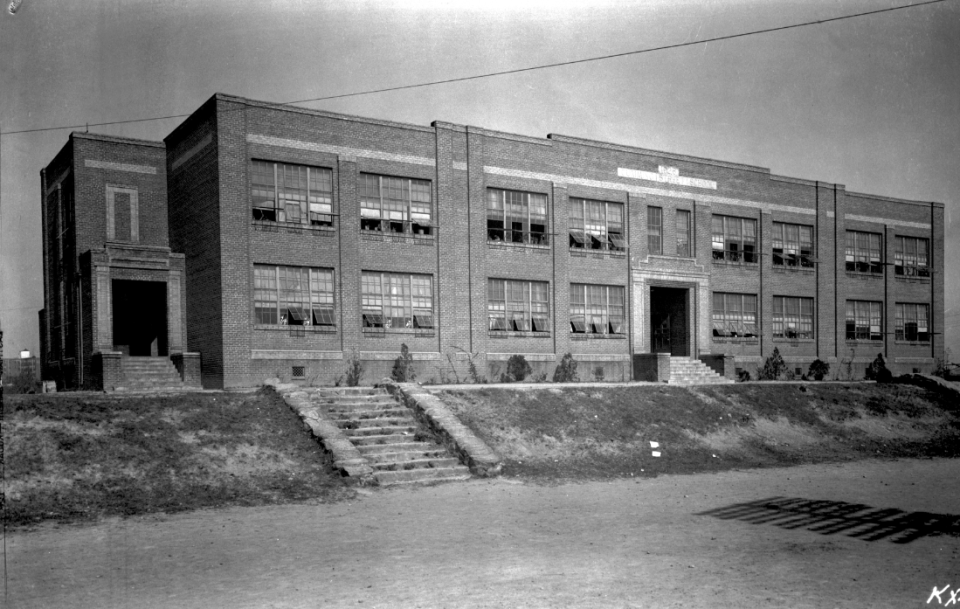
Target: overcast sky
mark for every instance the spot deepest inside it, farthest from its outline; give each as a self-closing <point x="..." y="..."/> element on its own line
<point x="872" y="102"/>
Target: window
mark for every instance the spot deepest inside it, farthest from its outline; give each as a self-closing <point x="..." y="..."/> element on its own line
<point x="734" y="239"/>
<point x="792" y="245"/>
<point x="864" y="253"/>
<point x="735" y="315"/>
<point x="912" y="322"/>
<point x="655" y="230"/>
<point x="596" y="309"/>
<point x="123" y="213"/>
<point x="792" y="317"/>
<point x="864" y="320"/>
<point x="396" y="301"/>
<point x="397" y="205"/>
<point x="293" y="296"/>
<point x="518" y="306"/>
<point x="516" y="217"/>
<point x="684" y="249"/>
<point x="295" y="194"/>
<point x="596" y="225"/>
<point x="910" y="257"/>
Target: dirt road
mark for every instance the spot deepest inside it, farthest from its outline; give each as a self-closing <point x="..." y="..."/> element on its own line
<point x="673" y="541"/>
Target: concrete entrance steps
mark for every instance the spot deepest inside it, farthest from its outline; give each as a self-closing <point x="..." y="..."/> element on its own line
<point x="149" y="374"/>
<point x="388" y="437"/>
<point x="689" y="371"/>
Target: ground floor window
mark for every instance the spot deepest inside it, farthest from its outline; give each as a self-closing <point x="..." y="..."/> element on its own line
<point x="519" y="306"/>
<point x="912" y="322"/>
<point x="293" y="295"/>
<point x="596" y="309"/>
<point x="734" y="315"/>
<point x="792" y="317"/>
<point x="396" y="301"/>
<point x="864" y="320"/>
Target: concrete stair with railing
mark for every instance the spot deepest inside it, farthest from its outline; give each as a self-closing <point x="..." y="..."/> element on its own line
<point x="389" y="437"/>
<point x="689" y="371"/>
<point x="149" y="374"/>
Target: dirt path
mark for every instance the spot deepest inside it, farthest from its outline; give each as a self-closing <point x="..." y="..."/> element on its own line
<point x="498" y="543"/>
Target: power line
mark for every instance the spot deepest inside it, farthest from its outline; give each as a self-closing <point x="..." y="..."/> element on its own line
<point x="516" y="70"/>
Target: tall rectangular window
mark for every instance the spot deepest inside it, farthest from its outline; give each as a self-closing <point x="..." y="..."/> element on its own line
<point x="518" y="306"/>
<point x="735" y="315"/>
<point x="397" y="205"/>
<point x="293" y="296"/>
<point x="596" y="309"/>
<point x="913" y="322"/>
<point x="864" y="253"/>
<point x="792" y="245"/>
<point x="734" y="239"/>
<point x="295" y="194"/>
<point x="396" y="301"/>
<point x="910" y="257"/>
<point x="792" y="317"/>
<point x="864" y="320"/>
<point x="655" y="230"/>
<point x="516" y="217"/>
<point x="684" y="243"/>
<point x="596" y="225"/>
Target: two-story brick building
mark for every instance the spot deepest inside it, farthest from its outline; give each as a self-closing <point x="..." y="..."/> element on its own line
<point x="293" y="238"/>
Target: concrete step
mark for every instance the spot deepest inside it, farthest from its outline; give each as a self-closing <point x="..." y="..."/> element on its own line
<point x="349" y="391"/>
<point x="412" y="464"/>
<point x="395" y="447"/>
<point x="380" y="413"/>
<point x="354" y="423"/>
<point x="385" y="430"/>
<point x="439" y="474"/>
<point x="438" y="452"/>
<point x="348" y="407"/>
<point x="395" y="440"/>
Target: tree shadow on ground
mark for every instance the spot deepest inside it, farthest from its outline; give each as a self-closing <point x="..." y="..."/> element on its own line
<point x="837" y="517"/>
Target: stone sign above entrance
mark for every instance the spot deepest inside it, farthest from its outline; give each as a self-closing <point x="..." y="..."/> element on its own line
<point x="667" y="175"/>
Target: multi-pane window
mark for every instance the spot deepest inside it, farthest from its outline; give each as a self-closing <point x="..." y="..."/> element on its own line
<point x="792" y="245"/>
<point x="910" y="257"/>
<point x="734" y="239"/>
<point x="281" y="192"/>
<point x="516" y="217"/>
<point x="293" y="296"/>
<point x="864" y="320"/>
<point x="912" y="322"/>
<point x="792" y="317"/>
<point x="396" y="301"/>
<point x="596" y="225"/>
<point x="398" y="205"/>
<point x="655" y="230"/>
<point x="684" y="244"/>
<point x="596" y="309"/>
<point x="864" y="253"/>
<point x="735" y="315"/>
<point x="518" y="306"/>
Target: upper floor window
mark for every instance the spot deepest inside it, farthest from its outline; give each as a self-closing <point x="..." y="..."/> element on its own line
<point x="519" y="306"/>
<point x="734" y="239"/>
<point x="123" y="214"/>
<point x="397" y="205"/>
<point x="296" y="194"/>
<point x="396" y="301"/>
<point x="516" y="217"/>
<point x="684" y="243"/>
<point x="864" y="253"/>
<point x="655" y="230"/>
<point x="912" y="322"/>
<point x="864" y="320"/>
<point x="792" y="245"/>
<point x="735" y="315"/>
<point x="910" y="257"/>
<point x="792" y="317"/>
<point x="293" y="296"/>
<point x="596" y="225"/>
<point x="596" y="309"/>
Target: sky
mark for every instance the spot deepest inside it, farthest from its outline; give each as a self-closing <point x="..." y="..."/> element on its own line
<point x="871" y="102"/>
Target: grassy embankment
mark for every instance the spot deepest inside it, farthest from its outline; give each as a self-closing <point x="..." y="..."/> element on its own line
<point x="606" y="432"/>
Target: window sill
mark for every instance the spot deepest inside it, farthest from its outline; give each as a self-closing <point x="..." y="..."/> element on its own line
<point x="581" y="252"/>
<point x="737" y="340"/>
<point x="905" y="279"/>
<point x="383" y="332"/>
<point x="295" y="328"/>
<point x="593" y="336"/>
<point x="512" y="334"/>
<point x="912" y="343"/>
<point x="506" y="245"/>
<point x="794" y="269"/>
<point x="375" y="235"/>
<point x="866" y="343"/>
<point x="301" y="229"/>
<point x="793" y="341"/>
<point x="751" y="265"/>
<point x="864" y="276"/>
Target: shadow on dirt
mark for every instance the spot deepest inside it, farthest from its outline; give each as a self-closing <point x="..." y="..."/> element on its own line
<point x="835" y="517"/>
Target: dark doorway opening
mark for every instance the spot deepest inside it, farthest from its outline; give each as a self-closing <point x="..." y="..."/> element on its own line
<point x="140" y="317"/>
<point x="668" y="320"/>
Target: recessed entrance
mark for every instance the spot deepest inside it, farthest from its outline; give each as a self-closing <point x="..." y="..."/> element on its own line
<point x="140" y="317"/>
<point x="668" y="321"/>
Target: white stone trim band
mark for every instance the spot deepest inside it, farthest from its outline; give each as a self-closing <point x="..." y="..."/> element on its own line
<point x="95" y="164"/>
<point x="268" y="140"/>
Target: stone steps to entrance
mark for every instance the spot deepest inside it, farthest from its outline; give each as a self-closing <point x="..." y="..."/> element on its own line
<point x="686" y="371"/>
<point x="149" y="374"/>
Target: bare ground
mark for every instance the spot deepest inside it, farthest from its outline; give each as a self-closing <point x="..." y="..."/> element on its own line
<point x="671" y="541"/>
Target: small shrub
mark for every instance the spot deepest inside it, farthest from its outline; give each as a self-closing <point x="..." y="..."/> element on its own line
<point x="566" y="371"/>
<point x="789" y="375"/>
<point x="878" y="371"/>
<point x="517" y="368"/>
<point x="25" y="382"/>
<point x="472" y="370"/>
<point x="354" y="371"/>
<point x="773" y="367"/>
<point x="403" y="366"/>
<point x="539" y="378"/>
<point x="598" y="373"/>
<point x="743" y="376"/>
<point x="818" y="369"/>
<point x="942" y="368"/>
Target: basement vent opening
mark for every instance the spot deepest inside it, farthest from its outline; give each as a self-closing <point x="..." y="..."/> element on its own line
<point x="298" y="372"/>
<point x="916" y="371"/>
<point x="798" y="371"/>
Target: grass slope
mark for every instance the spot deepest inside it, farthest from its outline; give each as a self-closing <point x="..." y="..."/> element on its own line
<point x="73" y="457"/>
<point x="606" y="432"/>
